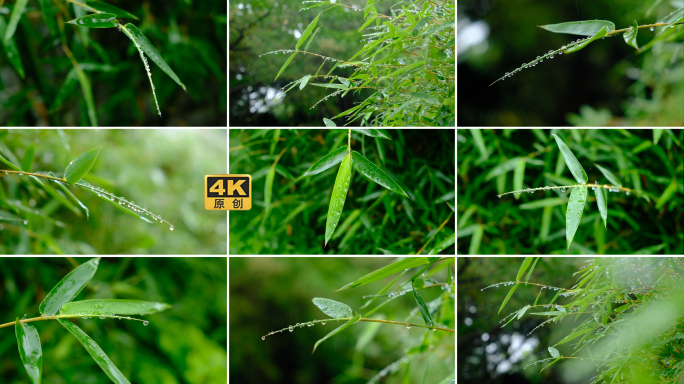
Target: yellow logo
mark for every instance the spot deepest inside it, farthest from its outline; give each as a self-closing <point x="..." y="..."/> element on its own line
<point x="228" y="192"/>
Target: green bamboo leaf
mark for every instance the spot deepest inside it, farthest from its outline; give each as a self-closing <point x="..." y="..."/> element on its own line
<point x="573" y="215"/>
<point x="510" y="293"/>
<point x="151" y="52"/>
<point x="447" y="242"/>
<point x="554" y="352"/>
<point x="70" y="286"/>
<point x="375" y="174"/>
<point x="303" y="82"/>
<point x="523" y="267"/>
<point x="667" y="194"/>
<point x="519" y="176"/>
<point x="479" y="141"/>
<point x="68" y="192"/>
<point x="552" y="363"/>
<point x="328" y="122"/>
<point x="333" y="308"/>
<point x="548" y="313"/>
<point x="574" y="335"/>
<point x="476" y="239"/>
<point x="550" y="202"/>
<point x="326" y="162"/>
<point x="95" y="352"/>
<point x="87" y="91"/>
<point x="49" y="16"/>
<point x="584" y="28"/>
<point x="268" y="187"/>
<point x="339" y="195"/>
<point x="657" y="133"/>
<point x="424" y="311"/>
<point x="571" y="161"/>
<point x="79" y="167"/>
<point x="407" y="68"/>
<point x="27" y="161"/>
<point x="367" y="23"/>
<point x="307" y="32"/>
<point x="337" y="330"/>
<point x="673" y="18"/>
<point x="97" y="20"/>
<point x="527" y="278"/>
<point x="601" y="201"/>
<point x="111" y="307"/>
<point x="326" y="85"/>
<point x="609" y="175"/>
<point x="371" y="133"/>
<point x="306" y="49"/>
<point x="580" y="46"/>
<point x="11" y="50"/>
<point x="631" y="34"/>
<point x="30" y="350"/>
<point x="521" y="312"/>
<point x="389" y="270"/>
<point x="66" y="90"/>
<point x="17" y="11"/>
<point x="500" y="169"/>
<point x="447" y="24"/>
<point x="285" y="65"/>
<point x="106" y="8"/>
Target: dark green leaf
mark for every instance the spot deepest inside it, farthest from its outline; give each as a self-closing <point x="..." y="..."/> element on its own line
<point x="584" y="28"/>
<point x="30" y="350"/>
<point x="104" y="7"/>
<point x="336" y="331"/>
<point x="97" y="20"/>
<point x="447" y="242"/>
<point x="333" y="308"/>
<point x="601" y="200"/>
<point x="609" y="175"/>
<point x="87" y="95"/>
<point x="152" y="53"/>
<point x="371" y="133"/>
<point x="326" y="162"/>
<point x="630" y="36"/>
<point x="397" y="266"/>
<point x="306" y="33"/>
<point x="573" y="215"/>
<point x="27" y="161"/>
<point x="667" y="194"/>
<point x="66" y="90"/>
<point x="580" y="46"/>
<point x="571" y="161"/>
<point x="111" y="307"/>
<point x="17" y="11"/>
<point x="285" y="65"/>
<point x="49" y="16"/>
<point x="339" y="195"/>
<point x="70" y="286"/>
<point x="95" y="352"/>
<point x="375" y="174"/>
<point x="510" y="293"/>
<point x="423" y="308"/>
<point x="80" y="167"/>
<point x="11" y="49"/>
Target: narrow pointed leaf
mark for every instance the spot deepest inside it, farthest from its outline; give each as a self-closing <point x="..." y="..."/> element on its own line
<point x="307" y="32"/>
<point x="527" y="278"/>
<point x="30" y="350"/>
<point x="27" y="161"/>
<point x="601" y="201"/>
<point x="326" y="85"/>
<point x="11" y="50"/>
<point x="388" y="270"/>
<point x="70" y="286"/>
<point x="304" y="81"/>
<point x="79" y="167"/>
<point x="326" y="162"/>
<point x="107" y="8"/>
<point x="66" y="90"/>
<point x="447" y="242"/>
<point x="573" y="215"/>
<point x="583" y="28"/>
<point x="152" y="53"/>
<point x="112" y="306"/>
<point x="523" y="267"/>
<point x="87" y="91"/>
<point x="519" y="176"/>
<point x="306" y="49"/>
<point x="667" y="194"/>
<point x="337" y="330"/>
<point x="68" y="192"/>
<point x="97" y="20"/>
<point x="423" y="308"/>
<point x="672" y="18"/>
<point x="95" y="352"/>
<point x="571" y="161"/>
<point x="339" y="195"/>
<point x="508" y="297"/>
<point x="49" y="16"/>
<point x="17" y="12"/>
<point x="578" y="47"/>
<point x="285" y="65"/>
<point x="371" y="133"/>
<point x="630" y="36"/>
<point x="521" y="312"/>
<point x="609" y="175"/>
<point x="375" y="173"/>
<point x="333" y="308"/>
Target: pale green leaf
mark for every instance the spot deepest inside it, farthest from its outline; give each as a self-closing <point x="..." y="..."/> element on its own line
<point x="571" y="161"/>
<point x="304" y="81"/>
<point x="30" y="351"/>
<point x="580" y="46"/>
<point x="339" y="195"/>
<point x="101" y="307"/>
<point x="97" y="20"/>
<point x="371" y="133"/>
<point x="389" y="270"/>
<point x="328" y="122"/>
<point x="333" y="308"/>
<point x="554" y="352"/>
<point x="519" y="176"/>
<point x="584" y="28"/>
<point x="81" y="165"/>
<point x="550" y="202"/>
<point x="70" y="286"/>
<point x="631" y="34"/>
<point x="285" y="65"/>
<point x="523" y="267"/>
<point x="17" y="11"/>
<point x="601" y="201"/>
<point x="573" y="215"/>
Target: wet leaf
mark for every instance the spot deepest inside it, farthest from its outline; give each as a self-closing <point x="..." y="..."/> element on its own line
<point x="95" y="352"/>
<point x="375" y="174"/>
<point x="674" y="17"/>
<point x="508" y="297"/>
<point x="554" y="352"/>
<point x="519" y="176"/>
<point x="571" y="161"/>
<point x="152" y="53"/>
<point x="79" y="167"/>
<point x="285" y="65"/>
<point x="609" y="175"/>
<point x="107" y="8"/>
<point x="333" y="308"/>
<point x="70" y="286"/>
<point x="630" y="36"/>
<point x="111" y="307"/>
<point x="388" y="270"/>
<point x="573" y="215"/>
<point x="30" y="350"/>
<point x="601" y="201"/>
<point x="66" y="202"/>
<point x="583" y="28"/>
<point x="336" y="331"/>
<point x="304" y="81"/>
<point x="97" y="20"/>
<point x="306" y="33"/>
<point x="371" y="133"/>
<point x="578" y="47"/>
<point x="326" y="162"/>
<point x="328" y="122"/>
<point x="424" y="311"/>
<point x="339" y="195"/>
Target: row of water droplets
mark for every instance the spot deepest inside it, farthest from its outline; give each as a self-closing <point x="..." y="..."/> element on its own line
<point x="130" y="205"/>
<point x="298" y="325"/>
<point x="103" y="316"/>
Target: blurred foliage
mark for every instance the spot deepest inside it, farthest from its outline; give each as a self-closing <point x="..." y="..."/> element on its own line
<point x="508" y="225"/>
<point x="374" y="219"/>
<point x="154" y="168"/>
<point x="185" y="344"/>
<point x="260" y="304"/>
<point x="637" y="89"/>
<point x="189" y="35"/>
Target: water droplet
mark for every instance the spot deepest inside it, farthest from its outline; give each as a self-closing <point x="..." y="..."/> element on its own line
<point x="263" y="337"/>
<point x="25" y="222"/>
<point x="434" y="329"/>
<point x="627" y="193"/>
<point x="323" y="323"/>
<point x="102" y="317"/>
<point x="408" y="326"/>
<point x="171" y="227"/>
<point x="563" y="47"/>
<point x="291" y="329"/>
<point x="499" y="196"/>
<point x="508" y="74"/>
<point x="652" y="29"/>
<point x="145" y="323"/>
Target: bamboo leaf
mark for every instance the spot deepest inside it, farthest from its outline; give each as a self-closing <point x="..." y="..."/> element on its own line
<point x="447" y="242"/>
<point x="326" y="85"/>
<point x="601" y="200"/>
<point x="571" y="161"/>
<point x="87" y="91"/>
<point x="17" y="12"/>
<point x="389" y="270"/>
<point x="500" y="169"/>
<point x="510" y="293"/>
<point x="306" y="33"/>
<point x="580" y="46"/>
<point x="554" y="352"/>
<point x="333" y="308"/>
<point x="27" y="161"/>
<point x="304" y="81"/>
<point x="30" y="350"/>
<point x="527" y="278"/>
<point x="80" y="167"/>
<point x="584" y="28"/>
<point x="424" y="311"/>
<point x="326" y="162"/>
<point x="550" y="202"/>
<point x="667" y="194"/>
<point x="552" y="363"/>
<point x="66" y="90"/>
<point x="97" y="20"/>
<point x="337" y="330"/>
<point x="521" y="312"/>
<point x="285" y="65"/>
<point x="674" y="17"/>
<point x="574" y="335"/>
<point x="519" y="176"/>
<point x="151" y="52"/>
<point x="328" y="122"/>
<point x="70" y="286"/>
<point x="609" y="175"/>
<point x="107" y="8"/>
<point x="95" y="352"/>
<point x="573" y="215"/>
<point x="375" y="174"/>
<point x="112" y="306"/>
<point x="11" y="49"/>
<point x="66" y="202"/>
<point x="523" y="267"/>
<point x="371" y="133"/>
<point x="306" y="49"/>
<point x="631" y="34"/>
<point x="339" y="195"/>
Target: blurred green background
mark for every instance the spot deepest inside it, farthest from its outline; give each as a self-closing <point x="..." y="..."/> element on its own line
<point x="189" y="35"/>
<point x="269" y="294"/>
<point x="162" y="170"/>
<point x="258" y="27"/>
<point x="605" y="84"/>
<point x="185" y="344"/>
<point x="510" y="225"/>
<point x="421" y="161"/>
